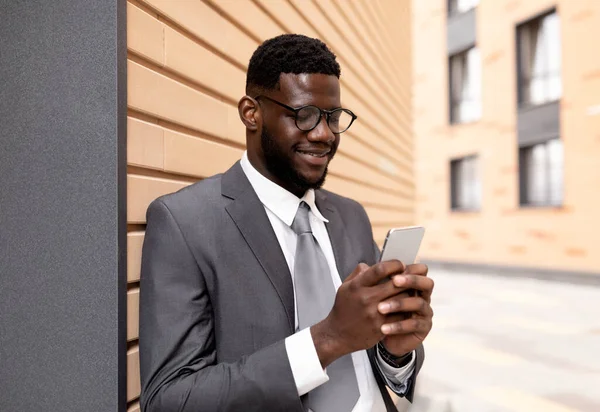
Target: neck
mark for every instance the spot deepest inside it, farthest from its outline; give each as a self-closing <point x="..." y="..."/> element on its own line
<point x="259" y="165"/>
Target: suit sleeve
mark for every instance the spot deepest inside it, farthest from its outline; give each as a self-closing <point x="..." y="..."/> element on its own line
<point x="178" y="363"/>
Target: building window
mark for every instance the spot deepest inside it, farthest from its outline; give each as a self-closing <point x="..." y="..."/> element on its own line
<point x="461" y="6"/>
<point x="539" y="60"/>
<point x="541" y="174"/>
<point x="465" y="86"/>
<point x="465" y="186"/>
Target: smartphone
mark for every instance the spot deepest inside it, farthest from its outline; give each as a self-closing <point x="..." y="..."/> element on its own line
<point x="403" y="244"/>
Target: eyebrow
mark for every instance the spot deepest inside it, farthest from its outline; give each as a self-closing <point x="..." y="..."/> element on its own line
<point x="304" y="95"/>
<point x="313" y="104"/>
<point x="297" y="106"/>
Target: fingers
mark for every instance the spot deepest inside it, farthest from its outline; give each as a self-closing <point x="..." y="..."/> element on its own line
<point x="360" y="268"/>
<point x="380" y="271"/>
<point x="421" y="283"/>
<point x="417" y="269"/>
<point x="403" y="303"/>
<point x="388" y="288"/>
<point x="414" y="269"/>
<point x="412" y="325"/>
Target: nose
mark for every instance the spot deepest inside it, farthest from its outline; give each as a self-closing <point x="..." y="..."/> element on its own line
<point x="322" y="132"/>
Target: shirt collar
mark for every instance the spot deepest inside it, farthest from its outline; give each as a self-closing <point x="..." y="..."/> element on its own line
<point x="282" y="203"/>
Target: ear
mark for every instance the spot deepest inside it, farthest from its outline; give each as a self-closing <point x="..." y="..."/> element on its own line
<point x="250" y="114"/>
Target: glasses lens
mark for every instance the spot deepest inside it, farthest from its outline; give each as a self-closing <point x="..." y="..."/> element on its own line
<point x="339" y="121"/>
<point x="308" y="117"/>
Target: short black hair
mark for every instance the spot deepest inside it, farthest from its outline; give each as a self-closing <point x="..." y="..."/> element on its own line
<point x="288" y="53"/>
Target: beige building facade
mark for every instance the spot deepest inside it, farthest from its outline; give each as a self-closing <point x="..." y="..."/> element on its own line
<point x="186" y="72"/>
<point x="507" y="132"/>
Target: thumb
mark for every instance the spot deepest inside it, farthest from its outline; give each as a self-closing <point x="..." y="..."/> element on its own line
<point x="360" y="268"/>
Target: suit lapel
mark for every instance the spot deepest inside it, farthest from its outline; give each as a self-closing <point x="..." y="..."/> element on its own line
<point x="342" y="248"/>
<point x="250" y="217"/>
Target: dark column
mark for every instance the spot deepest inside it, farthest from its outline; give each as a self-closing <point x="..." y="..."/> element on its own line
<point x="62" y="205"/>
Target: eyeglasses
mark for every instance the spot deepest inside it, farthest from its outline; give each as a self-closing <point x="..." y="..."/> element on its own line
<point x="308" y="117"/>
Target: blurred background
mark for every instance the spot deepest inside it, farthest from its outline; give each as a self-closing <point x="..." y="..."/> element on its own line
<point x="507" y="140"/>
<point x="479" y="120"/>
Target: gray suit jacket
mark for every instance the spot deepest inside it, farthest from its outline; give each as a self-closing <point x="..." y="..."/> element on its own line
<point x="217" y="302"/>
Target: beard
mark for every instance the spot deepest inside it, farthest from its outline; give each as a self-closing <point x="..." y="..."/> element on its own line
<point x="279" y="164"/>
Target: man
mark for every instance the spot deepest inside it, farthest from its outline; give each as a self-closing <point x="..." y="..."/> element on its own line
<point x="262" y="292"/>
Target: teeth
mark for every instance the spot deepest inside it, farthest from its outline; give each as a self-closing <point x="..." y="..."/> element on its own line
<point x="314" y="154"/>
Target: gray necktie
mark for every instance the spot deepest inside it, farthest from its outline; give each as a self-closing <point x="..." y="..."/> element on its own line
<point x="315" y="294"/>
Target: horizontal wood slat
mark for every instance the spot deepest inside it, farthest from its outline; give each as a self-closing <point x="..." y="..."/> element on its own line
<point x="135" y="407"/>
<point x="356" y="143"/>
<point x="205" y="23"/>
<point x="362" y="50"/>
<point x="345" y="166"/>
<point x="179" y="153"/>
<point x="379" y="216"/>
<point x="160" y="96"/>
<point x="135" y="241"/>
<point x="133" y="374"/>
<point x="133" y="314"/>
<point x="145" y="144"/>
<point x="286" y="16"/>
<point x="196" y="157"/>
<point x="212" y="72"/>
<point x="365" y="194"/>
<point x="258" y="22"/>
<point x="142" y="190"/>
<point x="174" y="50"/>
<point x="145" y="34"/>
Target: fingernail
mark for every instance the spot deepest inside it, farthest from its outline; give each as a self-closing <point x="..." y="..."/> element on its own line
<point x="385" y="329"/>
<point x="384" y="307"/>
<point x="399" y="280"/>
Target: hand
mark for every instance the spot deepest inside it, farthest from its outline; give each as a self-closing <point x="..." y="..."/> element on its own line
<point x="355" y="323"/>
<point x="408" y="319"/>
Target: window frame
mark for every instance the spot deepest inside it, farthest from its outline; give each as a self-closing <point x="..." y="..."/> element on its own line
<point x="524" y="203"/>
<point x="453" y="104"/>
<point x="521" y="101"/>
<point x="450" y="12"/>
<point x="454" y="184"/>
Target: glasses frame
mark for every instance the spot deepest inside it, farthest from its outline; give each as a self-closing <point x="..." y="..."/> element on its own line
<point x="322" y="112"/>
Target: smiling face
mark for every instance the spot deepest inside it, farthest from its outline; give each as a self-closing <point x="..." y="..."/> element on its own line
<point x="294" y="159"/>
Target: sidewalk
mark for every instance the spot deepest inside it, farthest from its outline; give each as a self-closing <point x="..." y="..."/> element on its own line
<point x="574" y="277"/>
<point x="504" y="344"/>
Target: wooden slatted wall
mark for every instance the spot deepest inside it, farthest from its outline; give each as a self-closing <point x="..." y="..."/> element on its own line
<point x="186" y="72"/>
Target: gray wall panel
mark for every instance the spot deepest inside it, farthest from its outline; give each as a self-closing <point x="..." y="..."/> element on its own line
<point x="62" y="205"/>
<point x="461" y="31"/>
<point x="538" y="123"/>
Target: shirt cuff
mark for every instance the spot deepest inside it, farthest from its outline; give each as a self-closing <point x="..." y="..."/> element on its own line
<point x="397" y="378"/>
<point x="304" y="361"/>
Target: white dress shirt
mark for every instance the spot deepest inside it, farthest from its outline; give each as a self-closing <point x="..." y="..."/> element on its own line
<point x="281" y="207"/>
